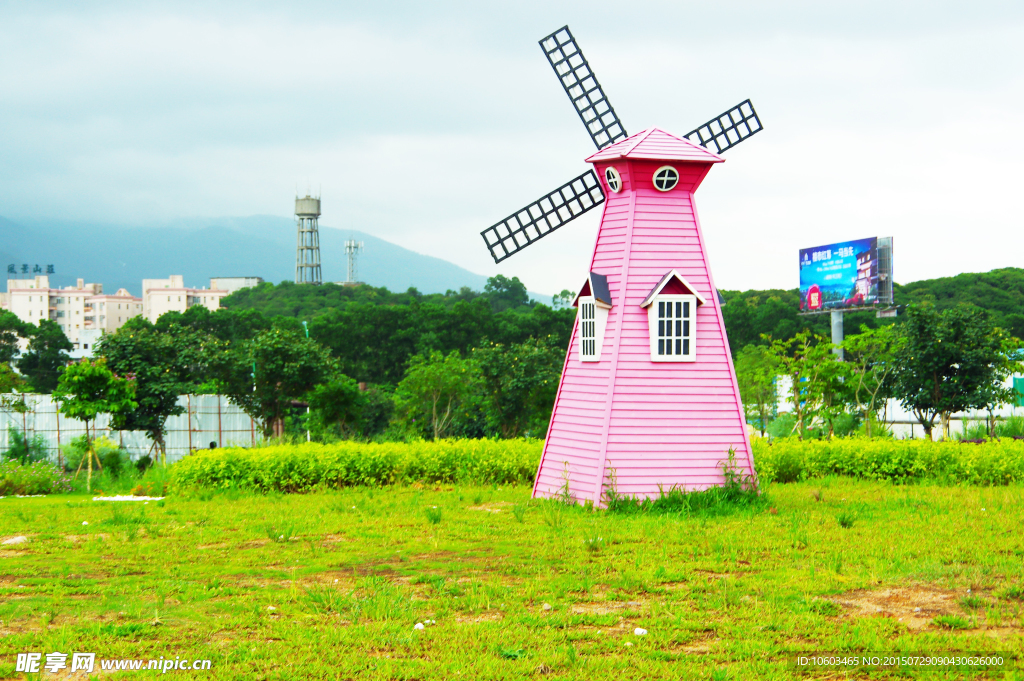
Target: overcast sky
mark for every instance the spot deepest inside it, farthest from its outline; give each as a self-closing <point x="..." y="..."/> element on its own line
<point x="423" y="123"/>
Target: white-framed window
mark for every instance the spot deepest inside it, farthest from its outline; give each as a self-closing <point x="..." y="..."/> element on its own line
<point x="593" y="317"/>
<point x="611" y="176"/>
<point x="588" y="330"/>
<point x="672" y="321"/>
<point x="666" y="178"/>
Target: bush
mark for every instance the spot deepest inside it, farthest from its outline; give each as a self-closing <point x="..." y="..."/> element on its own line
<point x="24" y="449"/>
<point x="40" y="477"/>
<point x="109" y="452"/>
<point x="999" y="462"/>
<point x="303" y="467"/>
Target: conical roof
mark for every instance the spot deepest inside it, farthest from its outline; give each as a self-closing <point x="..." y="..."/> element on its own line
<point x="656" y="144"/>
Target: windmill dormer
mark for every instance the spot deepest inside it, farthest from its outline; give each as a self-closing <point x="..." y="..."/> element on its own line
<point x="652" y="161"/>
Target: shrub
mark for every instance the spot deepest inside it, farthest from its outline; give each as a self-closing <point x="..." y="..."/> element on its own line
<point x="39" y="477"/>
<point x="24" y="449"/>
<point x="998" y="462"/>
<point x="305" y="466"/>
<point x="109" y="452"/>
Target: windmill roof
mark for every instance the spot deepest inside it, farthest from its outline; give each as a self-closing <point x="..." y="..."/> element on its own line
<point x="656" y="144"/>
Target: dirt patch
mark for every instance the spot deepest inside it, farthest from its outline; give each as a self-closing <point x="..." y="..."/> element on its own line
<point x="204" y="547"/>
<point x="492" y="507"/>
<point x="915" y="606"/>
<point x="335" y="539"/>
<point x="701" y="643"/>
<point x="493" y="616"/>
<point x="7" y="553"/>
<point x="605" y="607"/>
<point x="674" y="586"/>
<point x="76" y="538"/>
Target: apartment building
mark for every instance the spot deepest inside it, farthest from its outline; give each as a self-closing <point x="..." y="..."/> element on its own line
<point x="232" y="284"/>
<point x="82" y="311"/>
<point x="170" y="295"/>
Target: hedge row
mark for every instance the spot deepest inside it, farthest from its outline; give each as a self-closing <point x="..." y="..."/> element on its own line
<point x="997" y="462"/>
<point x="40" y="477"/>
<point x="303" y="467"/>
<point x="299" y="468"/>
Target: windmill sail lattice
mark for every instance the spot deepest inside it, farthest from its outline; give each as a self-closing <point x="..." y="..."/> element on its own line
<point x="728" y="129"/>
<point x="581" y="85"/>
<point x="543" y="216"/>
<point x="579" y="195"/>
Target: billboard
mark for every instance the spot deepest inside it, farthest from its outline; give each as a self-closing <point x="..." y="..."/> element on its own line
<point x="839" y="276"/>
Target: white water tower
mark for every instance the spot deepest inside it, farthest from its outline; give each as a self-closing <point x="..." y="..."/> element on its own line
<point x="307" y="251"/>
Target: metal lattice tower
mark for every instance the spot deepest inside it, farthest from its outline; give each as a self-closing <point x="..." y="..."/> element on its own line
<point x="352" y="249"/>
<point x="307" y="250"/>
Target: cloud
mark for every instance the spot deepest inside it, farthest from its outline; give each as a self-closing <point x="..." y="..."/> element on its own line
<point x="426" y="123"/>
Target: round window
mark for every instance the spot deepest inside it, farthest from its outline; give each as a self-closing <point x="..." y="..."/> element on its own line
<point x="611" y="175"/>
<point x="665" y="178"/>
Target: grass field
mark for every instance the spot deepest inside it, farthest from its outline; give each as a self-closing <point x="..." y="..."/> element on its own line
<point x="331" y="585"/>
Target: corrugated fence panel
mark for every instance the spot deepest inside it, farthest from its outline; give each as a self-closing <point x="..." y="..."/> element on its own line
<point x="207" y="419"/>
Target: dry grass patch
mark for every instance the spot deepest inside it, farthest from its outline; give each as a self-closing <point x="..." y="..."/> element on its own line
<point x="492" y="506"/>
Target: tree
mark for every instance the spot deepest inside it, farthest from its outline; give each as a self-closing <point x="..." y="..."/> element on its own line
<point x="337" y="404"/>
<point x="11" y="330"/>
<point x="433" y="391"/>
<point x="284" y="366"/>
<point x="871" y="358"/>
<point x="46" y="356"/>
<point x="949" y="361"/>
<point x="505" y="293"/>
<point x="808" y="361"/>
<point x="10" y="381"/>
<point x="995" y="393"/>
<point x="756" y="371"/>
<point x="87" y="389"/>
<point x="155" y="360"/>
<point x="563" y="299"/>
<point x="520" y="382"/>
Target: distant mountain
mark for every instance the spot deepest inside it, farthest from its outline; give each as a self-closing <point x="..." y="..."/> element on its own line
<point x="120" y="256"/>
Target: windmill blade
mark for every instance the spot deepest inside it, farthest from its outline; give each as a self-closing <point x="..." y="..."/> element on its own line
<point x="581" y="85"/>
<point x="543" y="216"/>
<point x="727" y="130"/>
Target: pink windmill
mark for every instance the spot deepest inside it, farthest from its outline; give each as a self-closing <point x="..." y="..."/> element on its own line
<point x="648" y="398"/>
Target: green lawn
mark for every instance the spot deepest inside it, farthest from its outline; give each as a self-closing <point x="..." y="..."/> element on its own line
<point x="331" y="585"/>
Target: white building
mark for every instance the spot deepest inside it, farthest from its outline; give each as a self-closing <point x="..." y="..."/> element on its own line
<point x="232" y="284"/>
<point x="170" y="295"/>
<point x="82" y="311"/>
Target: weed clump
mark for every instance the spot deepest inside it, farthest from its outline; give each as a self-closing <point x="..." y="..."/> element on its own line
<point x="433" y="515"/>
<point x="739" y="492"/>
<point x="952" y="622"/>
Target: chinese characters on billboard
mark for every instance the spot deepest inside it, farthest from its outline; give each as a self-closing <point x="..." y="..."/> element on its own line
<point x="839" y="276"/>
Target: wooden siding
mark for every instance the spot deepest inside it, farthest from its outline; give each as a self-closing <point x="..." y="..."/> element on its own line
<point x="655" y="425"/>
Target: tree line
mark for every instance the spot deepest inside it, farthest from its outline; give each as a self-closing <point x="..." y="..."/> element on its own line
<point x="367" y="362"/>
<point x="935" y="363"/>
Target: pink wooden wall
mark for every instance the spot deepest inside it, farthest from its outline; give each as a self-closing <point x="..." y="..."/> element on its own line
<point x="652" y="423"/>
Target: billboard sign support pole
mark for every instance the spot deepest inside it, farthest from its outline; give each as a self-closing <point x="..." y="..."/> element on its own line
<point x="837" y="333"/>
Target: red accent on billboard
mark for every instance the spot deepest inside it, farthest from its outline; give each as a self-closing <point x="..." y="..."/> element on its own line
<point x="814" y="298"/>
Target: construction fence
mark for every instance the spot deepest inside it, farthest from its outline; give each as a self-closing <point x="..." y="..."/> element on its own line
<point x="207" y="419"/>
